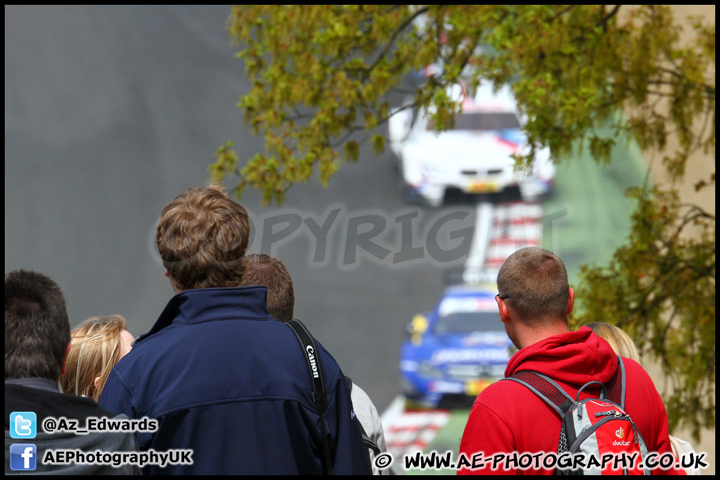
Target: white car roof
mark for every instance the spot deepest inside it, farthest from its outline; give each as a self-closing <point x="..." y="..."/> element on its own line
<point x="484" y="100"/>
<point x="487" y="101"/>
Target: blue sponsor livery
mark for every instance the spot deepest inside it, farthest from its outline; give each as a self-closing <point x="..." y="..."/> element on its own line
<point x="456" y="350"/>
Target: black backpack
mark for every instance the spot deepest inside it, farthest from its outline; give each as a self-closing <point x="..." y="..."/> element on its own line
<point x="597" y="428"/>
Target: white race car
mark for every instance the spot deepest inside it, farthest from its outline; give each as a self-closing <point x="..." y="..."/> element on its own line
<point x="473" y="157"/>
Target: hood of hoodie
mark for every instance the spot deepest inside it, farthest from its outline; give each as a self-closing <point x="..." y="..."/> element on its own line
<point x="574" y="358"/>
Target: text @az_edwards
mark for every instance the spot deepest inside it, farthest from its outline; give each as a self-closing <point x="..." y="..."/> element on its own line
<point x="97" y="424"/>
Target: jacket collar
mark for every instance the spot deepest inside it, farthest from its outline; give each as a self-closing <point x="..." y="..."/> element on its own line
<point x="36" y="382"/>
<point x="203" y="304"/>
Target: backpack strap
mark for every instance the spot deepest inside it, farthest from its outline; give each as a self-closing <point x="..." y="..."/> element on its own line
<point x="616" y="386"/>
<point x="545" y="388"/>
<point x="307" y="342"/>
<point x="550" y="392"/>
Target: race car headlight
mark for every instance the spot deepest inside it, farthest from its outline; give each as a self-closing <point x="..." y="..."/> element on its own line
<point x="428" y="370"/>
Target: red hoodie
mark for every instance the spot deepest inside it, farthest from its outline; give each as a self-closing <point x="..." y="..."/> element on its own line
<point x="507" y="417"/>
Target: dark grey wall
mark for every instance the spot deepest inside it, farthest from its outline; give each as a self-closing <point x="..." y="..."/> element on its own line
<point x="112" y="111"/>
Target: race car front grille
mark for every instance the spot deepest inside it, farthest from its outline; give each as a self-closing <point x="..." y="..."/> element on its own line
<point x="472" y="372"/>
<point x="465" y="372"/>
<point x="474" y="173"/>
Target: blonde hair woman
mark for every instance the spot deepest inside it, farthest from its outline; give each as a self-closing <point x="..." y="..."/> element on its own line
<point x="620" y="342"/>
<point x="623" y="345"/>
<point x="98" y="344"/>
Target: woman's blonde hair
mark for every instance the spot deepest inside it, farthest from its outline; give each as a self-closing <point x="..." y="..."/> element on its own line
<point x="620" y="342"/>
<point x="95" y="349"/>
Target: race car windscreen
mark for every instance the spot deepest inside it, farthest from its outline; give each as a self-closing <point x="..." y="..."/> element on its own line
<point x="483" y="121"/>
<point x="469" y="322"/>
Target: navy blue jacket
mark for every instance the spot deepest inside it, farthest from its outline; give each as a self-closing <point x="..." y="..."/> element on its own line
<point x="231" y="383"/>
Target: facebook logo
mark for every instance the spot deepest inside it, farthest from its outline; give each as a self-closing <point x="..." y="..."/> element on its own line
<point x="23" y="425"/>
<point x="23" y="456"/>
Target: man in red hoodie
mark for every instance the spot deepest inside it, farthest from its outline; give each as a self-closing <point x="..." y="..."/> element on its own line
<point x="507" y="418"/>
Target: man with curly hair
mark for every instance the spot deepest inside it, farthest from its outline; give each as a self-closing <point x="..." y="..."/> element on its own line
<point x="221" y="375"/>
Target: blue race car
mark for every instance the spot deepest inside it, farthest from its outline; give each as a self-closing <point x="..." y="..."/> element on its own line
<point x="456" y="350"/>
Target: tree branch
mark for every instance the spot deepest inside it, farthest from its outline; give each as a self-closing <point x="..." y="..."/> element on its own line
<point x="603" y="21"/>
<point x="397" y="32"/>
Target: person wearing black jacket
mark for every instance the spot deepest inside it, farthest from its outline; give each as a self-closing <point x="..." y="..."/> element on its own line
<point x="37" y="339"/>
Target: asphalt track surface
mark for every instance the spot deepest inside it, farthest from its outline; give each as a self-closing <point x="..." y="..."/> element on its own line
<point x="112" y="111"/>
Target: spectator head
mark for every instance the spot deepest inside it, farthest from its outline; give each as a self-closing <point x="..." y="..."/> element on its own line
<point x="202" y="236"/>
<point x="537" y="282"/>
<point x="37" y="328"/>
<point x="261" y="269"/>
<point x="620" y="341"/>
<point x="98" y="344"/>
